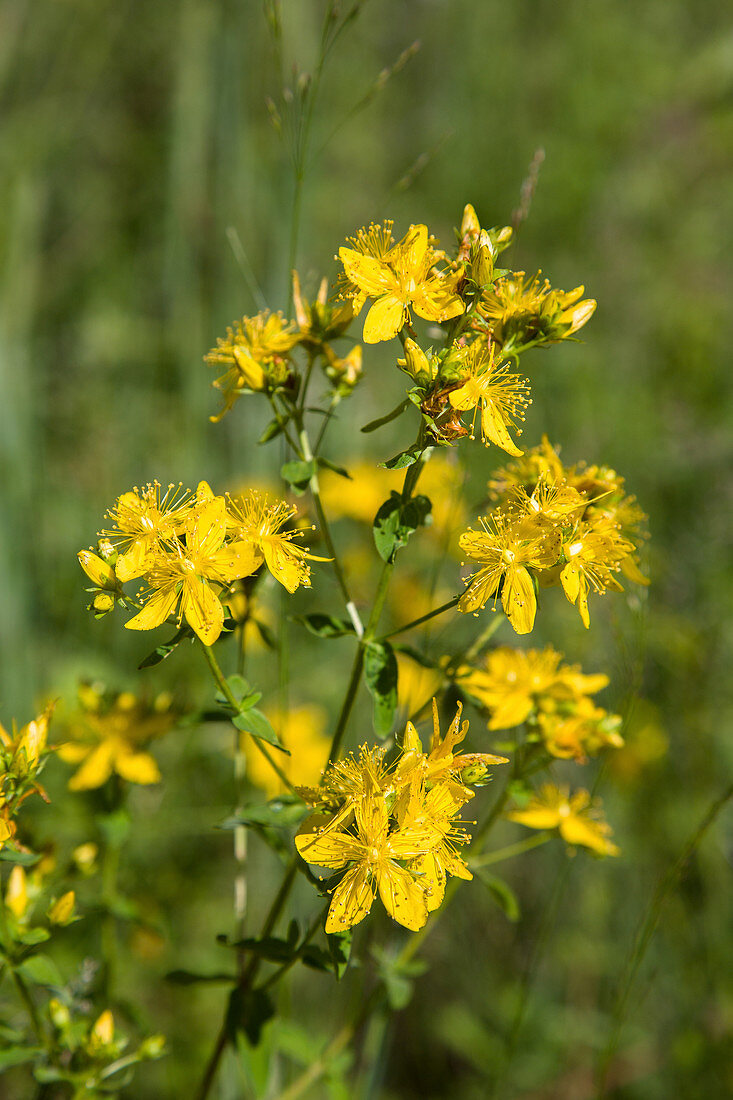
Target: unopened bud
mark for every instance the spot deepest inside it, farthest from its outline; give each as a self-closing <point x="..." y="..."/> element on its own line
<point x="62" y="910"/>
<point x="98" y="571"/>
<point x="415" y="362"/>
<point x="470" y="225"/>
<point x="152" y="1047"/>
<point x="59" y="1014"/>
<point x="482" y="267"/>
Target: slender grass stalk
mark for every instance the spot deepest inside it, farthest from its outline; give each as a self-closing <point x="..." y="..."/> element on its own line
<point x="423" y="619"/>
<point x="644" y="935"/>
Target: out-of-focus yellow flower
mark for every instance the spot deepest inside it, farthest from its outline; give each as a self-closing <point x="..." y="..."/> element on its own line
<point x="515" y="683"/>
<point x="21" y="751"/>
<point x="491" y="387"/>
<point x="62" y="911"/>
<point x="505" y="549"/>
<point x="109" y="734"/>
<point x="302" y="731"/>
<point x="416" y="685"/>
<point x="406" y="277"/>
<point x="16" y="892"/>
<point x="520" y="313"/>
<point x="574" y="816"/>
<point x="256" y="353"/>
<point x="261" y="524"/>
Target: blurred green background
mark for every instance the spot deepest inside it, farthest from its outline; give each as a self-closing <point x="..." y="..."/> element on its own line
<point x="135" y="142"/>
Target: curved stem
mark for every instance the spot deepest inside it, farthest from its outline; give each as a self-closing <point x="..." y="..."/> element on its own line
<point x="226" y="691"/>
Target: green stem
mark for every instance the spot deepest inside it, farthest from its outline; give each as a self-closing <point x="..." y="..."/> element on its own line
<point x="234" y="704"/>
<point x="485" y="636"/>
<point x="510" y="851"/>
<point x="423" y="619"/>
<point x="25" y="996"/>
<point x="110" y="869"/>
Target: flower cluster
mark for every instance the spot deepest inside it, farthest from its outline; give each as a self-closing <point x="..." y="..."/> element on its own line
<point x="188" y="549"/>
<point x="393" y="830"/>
<point x="574" y="527"/>
<point x="109" y="733"/>
<point x="534" y="686"/>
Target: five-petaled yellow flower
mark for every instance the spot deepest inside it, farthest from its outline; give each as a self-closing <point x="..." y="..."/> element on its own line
<point x="406" y="277"/>
<point x="574" y="816"/>
<point x="495" y="390"/>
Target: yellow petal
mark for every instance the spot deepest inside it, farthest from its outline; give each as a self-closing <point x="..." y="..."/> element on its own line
<point x="98" y="571"/>
<point x="97" y="769"/>
<point x="156" y="610"/>
<point x="204" y="613"/>
<point x="519" y="600"/>
<point x="570" y="578"/>
<point x="137" y="767"/>
<point x="432" y="877"/>
<point x="135" y="563"/>
<point x="496" y="430"/>
<point x="326" y="848"/>
<point x="208" y="529"/>
<point x="240" y="559"/>
<point x="401" y="896"/>
<point x="372" y="276"/>
<point x="576" y="830"/>
<point x="514" y="709"/>
<point x="538" y="817"/>
<point x="72" y="753"/>
<point x="583" y="602"/>
<point x="352" y="900"/>
<point x="285" y="564"/>
<point x="384" y="319"/>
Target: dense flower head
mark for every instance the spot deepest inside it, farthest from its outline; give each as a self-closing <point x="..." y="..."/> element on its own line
<point x="403" y="278"/>
<point x="393" y="830"/>
<point x="256" y="353"/>
<point x="578" y="820"/>
<point x="188" y="549"/>
<point x="591" y="532"/>
<point x="535" y="686"/>
<point x="520" y="312"/>
<point x="109" y="732"/>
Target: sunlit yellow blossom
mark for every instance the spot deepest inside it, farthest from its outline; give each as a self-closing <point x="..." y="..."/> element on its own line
<point x="520" y="312"/>
<point x="516" y="683"/>
<point x="578" y="821"/>
<point x="259" y="523"/>
<point x="406" y="277"/>
<point x="505" y="549"/>
<point x="255" y="351"/>
<point x="493" y="389"/>
<point x="372" y="853"/>
<point x="142" y="520"/>
<point x="594" y="554"/>
<point x="109" y="733"/>
<point x="16" y="893"/>
<point x="194" y="574"/>
<point x="302" y="732"/>
<point x="375" y="241"/>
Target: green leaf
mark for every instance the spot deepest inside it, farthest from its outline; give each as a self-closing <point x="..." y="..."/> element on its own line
<point x="328" y="465"/>
<point x="33" y="936"/>
<point x="279" y="813"/>
<point x="271" y="948"/>
<point x="339" y="948"/>
<point x="166" y="648"/>
<point x="187" y="977"/>
<point x="273" y="429"/>
<point x="19" y="1056"/>
<point x="501" y="892"/>
<point x="402" y="460"/>
<point x="298" y="474"/>
<point x="396" y="521"/>
<point x="397" y="411"/>
<point x="11" y="854"/>
<point x="41" y="970"/>
<point x="248" y="1012"/>
<point x="380" y="675"/>
<point x="325" y="626"/>
<point x="253" y="721"/>
<point x="315" y="958"/>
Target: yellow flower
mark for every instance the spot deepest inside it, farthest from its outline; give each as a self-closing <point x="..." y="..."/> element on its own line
<point x="576" y="819"/>
<point x="194" y="574"/>
<point x="371" y="852"/>
<point x="593" y="554"/>
<point x="142" y="520"/>
<point x="16" y="893"/>
<point x="302" y="731"/>
<point x="109" y="734"/>
<point x="405" y="277"/>
<point x="260" y="524"/>
<point x="579" y="730"/>
<point x="520" y="313"/>
<point x="442" y="764"/>
<point x="256" y="352"/>
<point x="491" y="387"/>
<point x="505" y="549"/>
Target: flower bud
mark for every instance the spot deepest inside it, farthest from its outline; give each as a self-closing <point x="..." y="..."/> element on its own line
<point x="152" y="1047"/>
<point x="470" y="225"/>
<point x="416" y="362"/>
<point x="62" y="911"/>
<point x="59" y="1014"/>
<point x="98" y="571"/>
<point x="16" y="894"/>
